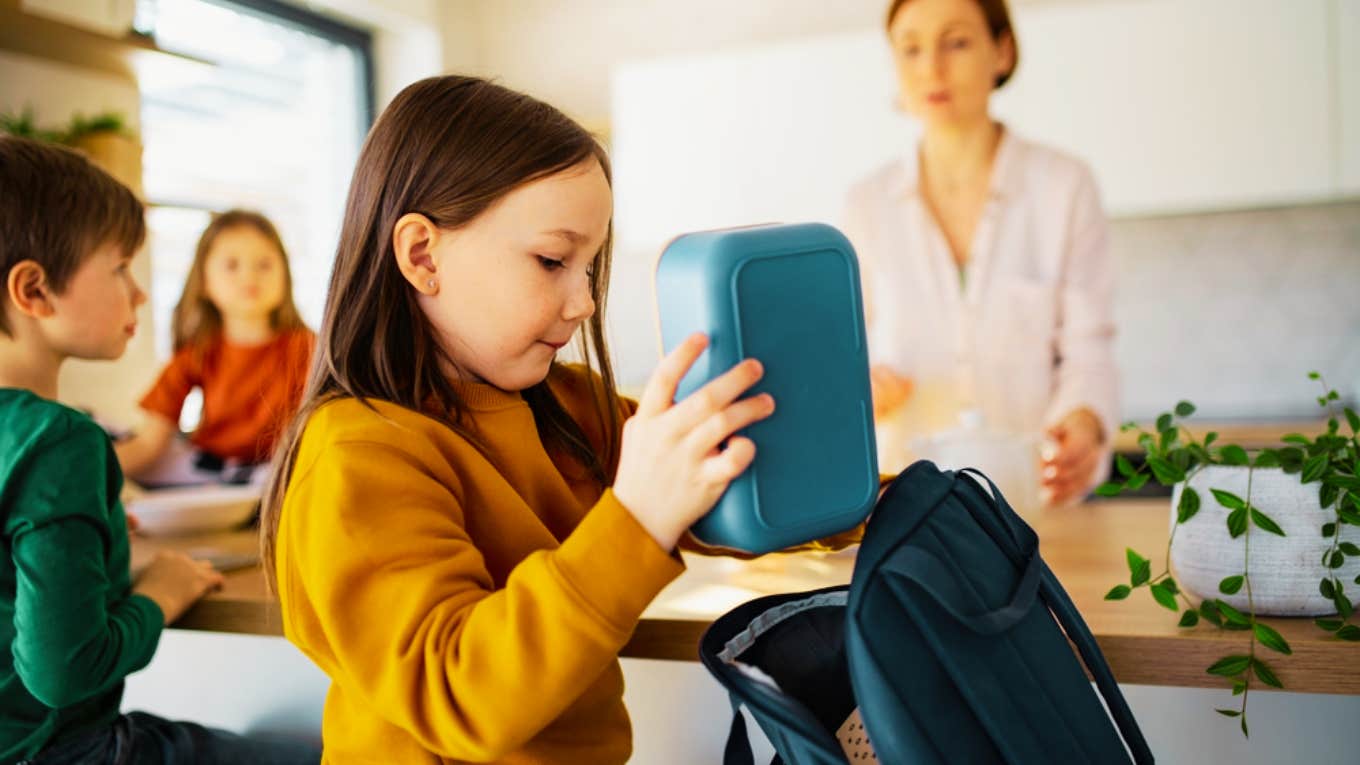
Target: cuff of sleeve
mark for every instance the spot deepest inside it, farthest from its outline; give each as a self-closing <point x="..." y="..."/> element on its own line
<point x="614" y="564"/>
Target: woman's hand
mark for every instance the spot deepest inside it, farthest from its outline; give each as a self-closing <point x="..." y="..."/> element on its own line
<point x="890" y="390"/>
<point x="672" y="469"/>
<point x="1069" y="464"/>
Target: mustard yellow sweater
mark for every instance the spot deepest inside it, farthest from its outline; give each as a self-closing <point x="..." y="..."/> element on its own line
<point x="467" y="607"/>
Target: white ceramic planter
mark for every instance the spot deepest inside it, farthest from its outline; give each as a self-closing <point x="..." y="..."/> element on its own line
<point x="1285" y="571"/>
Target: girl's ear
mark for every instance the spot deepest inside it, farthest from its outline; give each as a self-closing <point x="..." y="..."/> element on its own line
<point x="29" y="290"/>
<point x="413" y="240"/>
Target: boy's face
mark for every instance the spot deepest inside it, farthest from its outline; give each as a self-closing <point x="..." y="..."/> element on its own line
<point x="96" y="315"/>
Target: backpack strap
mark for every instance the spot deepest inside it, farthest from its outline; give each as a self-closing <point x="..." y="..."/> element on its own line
<point x="1065" y="611"/>
<point x="738" y="749"/>
<point x="1062" y="607"/>
<point x="935" y="579"/>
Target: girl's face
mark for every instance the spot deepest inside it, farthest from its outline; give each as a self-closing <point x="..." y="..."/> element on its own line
<point x="947" y="60"/>
<point x="513" y="285"/>
<point x="244" y="274"/>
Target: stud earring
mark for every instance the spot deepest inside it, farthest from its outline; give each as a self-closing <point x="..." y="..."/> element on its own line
<point x="430" y="284"/>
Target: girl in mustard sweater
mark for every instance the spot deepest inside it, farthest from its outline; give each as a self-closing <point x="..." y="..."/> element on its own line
<point x="441" y="528"/>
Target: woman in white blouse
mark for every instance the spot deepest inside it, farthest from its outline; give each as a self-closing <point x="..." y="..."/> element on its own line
<point x="988" y="281"/>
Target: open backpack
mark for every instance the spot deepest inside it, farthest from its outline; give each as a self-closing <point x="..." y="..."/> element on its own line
<point x="950" y="645"/>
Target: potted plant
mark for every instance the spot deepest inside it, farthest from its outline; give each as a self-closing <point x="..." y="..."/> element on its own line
<point x="1275" y="532"/>
<point x="104" y="138"/>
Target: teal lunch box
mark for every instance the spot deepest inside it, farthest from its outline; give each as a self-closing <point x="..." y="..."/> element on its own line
<point x="789" y="296"/>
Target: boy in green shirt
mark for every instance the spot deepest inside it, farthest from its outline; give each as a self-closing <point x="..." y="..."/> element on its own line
<point x="72" y="623"/>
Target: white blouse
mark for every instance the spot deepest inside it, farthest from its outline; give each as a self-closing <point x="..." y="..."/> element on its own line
<point x="1027" y="335"/>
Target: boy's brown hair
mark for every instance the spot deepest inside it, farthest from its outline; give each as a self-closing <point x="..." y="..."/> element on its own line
<point x="57" y="208"/>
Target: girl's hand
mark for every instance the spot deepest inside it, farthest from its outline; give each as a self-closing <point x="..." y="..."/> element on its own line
<point x="671" y="469"/>
<point x="175" y="581"/>
<point x="1067" y="470"/>
<point x="890" y="389"/>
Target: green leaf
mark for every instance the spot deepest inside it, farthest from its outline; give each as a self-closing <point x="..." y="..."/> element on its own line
<point x="1314" y="376"/>
<point x="1239" y="689"/>
<point x="1167" y="474"/>
<point x="1349" y="548"/>
<point x="1349" y="632"/>
<point x="1189" y="505"/>
<point x="1140" y="569"/>
<point x="1331" y="625"/>
<point x="1185" y="409"/>
<point x="1265" y="673"/>
<point x="1147" y="443"/>
<point x="1211" y="437"/>
<point x="1137" y="482"/>
<point x="1327" y="495"/>
<point x="1314" y="468"/>
<point x="1333" y="395"/>
<point x="1244" y="727"/>
<point x="1342" y="481"/>
<point x="1164" y="423"/>
<point x="1230" y="585"/>
<point x="1349" y="516"/>
<point x="1109" y="490"/>
<point x="1209" y="612"/>
<point x="1357" y="579"/>
<point x="1189" y="618"/>
<point x="1265" y="522"/>
<point x="1118" y="592"/>
<point x="1268" y="458"/>
<point x="1327" y="588"/>
<point x="1328" y="530"/>
<point x="1162" y="594"/>
<point x="1230" y="614"/>
<point x="1228" y="712"/>
<point x="1230" y="665"/>
<point x="1228" y="499"/>
<point x="1338" y="559"/>
<point x="1272" y="639"/>
<point x="1297" y="438"/>
<point x="1123" y="465"/>
<point x="1233" y="454"/>
<point x="1237" y="522"/>
<point x="1354" y="420"/>
<point x="1170" y="585"/>
<point x="1344" y="609"/>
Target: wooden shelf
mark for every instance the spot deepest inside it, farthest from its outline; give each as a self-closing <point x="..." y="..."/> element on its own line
<point x="53" y="40"/>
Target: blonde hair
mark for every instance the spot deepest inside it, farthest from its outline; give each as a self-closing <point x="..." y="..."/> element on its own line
<point x="196" y="321"/>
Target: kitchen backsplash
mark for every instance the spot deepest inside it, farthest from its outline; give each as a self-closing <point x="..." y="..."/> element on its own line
<point x="1232" y="310"/>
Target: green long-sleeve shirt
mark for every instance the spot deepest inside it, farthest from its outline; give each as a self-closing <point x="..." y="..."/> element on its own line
<point x="70" y="628"/>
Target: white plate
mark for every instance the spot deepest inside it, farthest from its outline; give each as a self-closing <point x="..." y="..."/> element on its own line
<point x="194" y="509"/>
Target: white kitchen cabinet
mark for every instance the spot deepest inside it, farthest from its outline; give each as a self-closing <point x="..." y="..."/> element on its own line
<point x="1183" y="105"/>
<point x="1347" y="36"/>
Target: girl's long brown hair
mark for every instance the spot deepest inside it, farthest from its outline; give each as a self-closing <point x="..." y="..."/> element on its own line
<point x="196" y="321"/>
<point x="448" y="148"/>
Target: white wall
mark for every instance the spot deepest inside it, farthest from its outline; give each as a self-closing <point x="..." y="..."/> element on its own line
<point x="563" y="52"/>
<point x="56" y="92"/>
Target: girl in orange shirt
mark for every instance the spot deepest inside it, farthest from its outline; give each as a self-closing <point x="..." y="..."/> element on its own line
<point x="239" y="338"/>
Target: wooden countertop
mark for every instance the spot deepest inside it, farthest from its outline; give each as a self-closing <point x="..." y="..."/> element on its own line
<point x="1084" y="546"/>
<point x="1248" y="435"/>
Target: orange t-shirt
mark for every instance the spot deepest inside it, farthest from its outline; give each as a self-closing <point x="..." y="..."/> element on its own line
<point x="249" y="392"/>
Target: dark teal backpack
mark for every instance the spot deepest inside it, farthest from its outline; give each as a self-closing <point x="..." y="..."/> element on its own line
<point x="951" y="639"/>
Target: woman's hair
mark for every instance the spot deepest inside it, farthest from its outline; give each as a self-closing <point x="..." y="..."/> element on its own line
<point x="998" y="17"/>
<point x="196" y="322"/>
<point x="447" y="148"/>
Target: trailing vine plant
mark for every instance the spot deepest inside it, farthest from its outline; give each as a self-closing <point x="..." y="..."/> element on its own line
<point x="1174" y="456"/>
